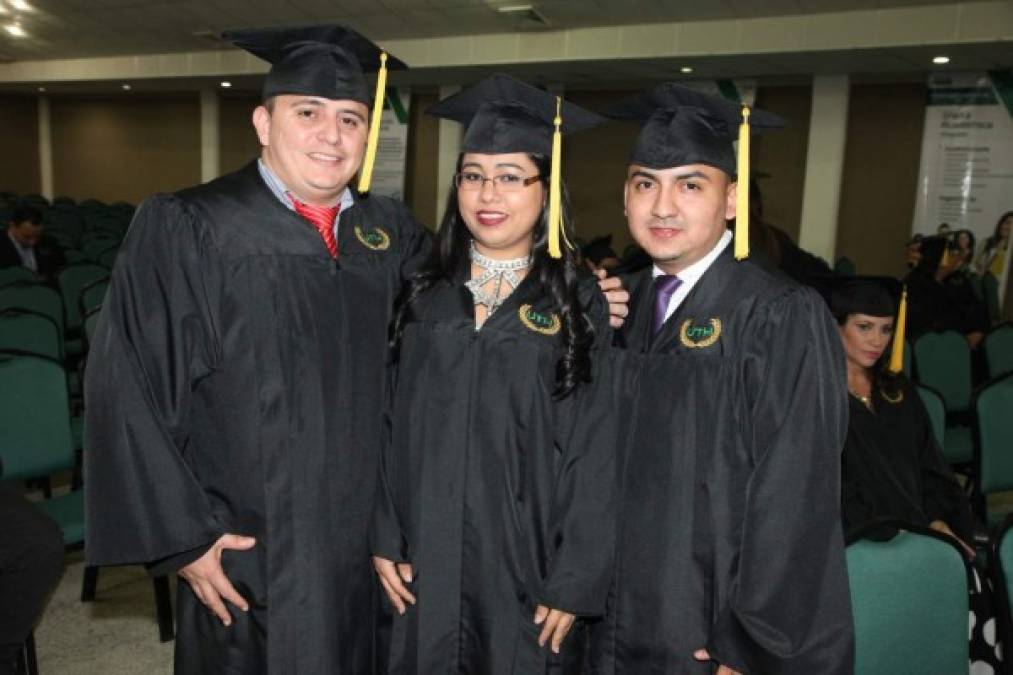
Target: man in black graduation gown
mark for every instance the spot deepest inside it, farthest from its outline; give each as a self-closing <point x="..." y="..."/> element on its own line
<point x="730" y="557"/>
<point x="235" y="381"/>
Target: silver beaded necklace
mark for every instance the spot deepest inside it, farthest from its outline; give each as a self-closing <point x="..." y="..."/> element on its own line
<point x="502" y="271"/>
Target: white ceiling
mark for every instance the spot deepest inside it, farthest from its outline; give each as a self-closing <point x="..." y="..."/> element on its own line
<point x="92" y="28"/>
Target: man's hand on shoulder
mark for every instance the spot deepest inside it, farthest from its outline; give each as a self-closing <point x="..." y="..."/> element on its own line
<point x="616" y="296"/>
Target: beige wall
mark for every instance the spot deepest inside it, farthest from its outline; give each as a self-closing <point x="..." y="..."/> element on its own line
<point x="421" y="170"/>
<point x="782" y="155"/>
<point x="19" y="169"/>
<point x="237" y="140"/>
<point x="881" y="165"/>
<point x="125" y="149"/>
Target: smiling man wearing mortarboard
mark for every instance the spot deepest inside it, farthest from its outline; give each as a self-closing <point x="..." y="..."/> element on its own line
<point x="235" y="387"/>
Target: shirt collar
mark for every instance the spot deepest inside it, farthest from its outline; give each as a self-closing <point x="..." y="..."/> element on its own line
<point x="696" y="270"/>
<point x="282" y="193"/>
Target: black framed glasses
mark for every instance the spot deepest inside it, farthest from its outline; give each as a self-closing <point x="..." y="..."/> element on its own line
<point x="472" y="181"/>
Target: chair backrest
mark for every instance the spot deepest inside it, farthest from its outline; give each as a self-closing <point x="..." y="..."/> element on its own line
<point x="936" y="409"/>
<point x="999" y="350"/>
<point x="24" y="331"/>
<point x="36" y="298"/>
<point x="909" y="599"/>
<point x="16" y="273"/>
<point x="35" y="435"/>
<point x="993" y="406"/>
<point x="93" y="295"/>
<point x="72" y="280"/>
<point x="944" y="363"/>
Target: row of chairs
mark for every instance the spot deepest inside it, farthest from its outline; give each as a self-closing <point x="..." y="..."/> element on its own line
<point x="37" y="441"/>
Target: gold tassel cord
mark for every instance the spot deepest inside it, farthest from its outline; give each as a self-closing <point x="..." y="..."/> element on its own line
<point x="742" y="190"/>
<point x="555" y="188"/>
<point x="897" y="355"/>
<point x="366" y="177"/>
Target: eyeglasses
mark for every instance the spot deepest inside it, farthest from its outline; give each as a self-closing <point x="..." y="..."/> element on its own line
<point x="471" y="181"/>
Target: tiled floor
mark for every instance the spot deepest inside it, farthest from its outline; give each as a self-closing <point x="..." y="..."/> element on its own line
<point x="115" y="635"/>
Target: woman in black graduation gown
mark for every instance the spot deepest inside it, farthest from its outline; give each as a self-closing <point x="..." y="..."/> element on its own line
<point x="892" y="465"/>
<point x="497" y="485"/>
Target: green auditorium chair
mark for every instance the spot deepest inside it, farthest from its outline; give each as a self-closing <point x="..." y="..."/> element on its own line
<point x="1004" y="573"/>
<point x="15" y="274"/>
<point x="93" y="295"/>
<point x="91" y="323"/>
<point x="999" y="350"/>
<point x="97" y="244"/>
<point x="72" y="280"/>
<point x="909" y="600"/>
<point x="36" y="440"/>
<point x="36" y="298"/>
<point x="944" y="363"/>
<point x="107" y="258"/>
<point x="993" y="406"/>
<point x="26" y="331"/>
<point x="934" y="406"/>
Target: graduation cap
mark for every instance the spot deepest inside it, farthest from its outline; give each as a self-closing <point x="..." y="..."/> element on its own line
<point x="325" y="61"/>
<point x="683" y="126"/>
<point x="502" y="114"/>
<point x="874" y="296"/>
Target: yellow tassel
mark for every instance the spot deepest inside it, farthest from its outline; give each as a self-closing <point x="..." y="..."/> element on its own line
<point x="555" y="188"/>
<point x="897" y="355"/>
<point x="366" y="177"/>
<point x="945" y="261"/>
<point x="742" y="191"/>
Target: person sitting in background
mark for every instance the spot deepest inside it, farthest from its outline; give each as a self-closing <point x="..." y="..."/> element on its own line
<point x="892" y="466"/>
<point x="913" y="251"/>
<point x="993" y="255"/>
<point x="936" y="303"/>
<point x="31" y="564"/>
<point x="24" y="246"/>
<point x="964" y="244"/>
<point x="943" y="230"/>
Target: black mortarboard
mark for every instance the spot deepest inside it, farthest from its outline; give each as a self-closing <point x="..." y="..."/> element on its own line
<point x="874" y="296"/>
<point x="326" y="61"/>
<point x="683" y="126"/>
<point x="502" y="114"/>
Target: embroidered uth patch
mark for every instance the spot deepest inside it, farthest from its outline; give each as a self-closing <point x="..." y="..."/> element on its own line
<point x="546" y="324"/>
<point x="376" y="239"/>
<point x="697" y="337"/>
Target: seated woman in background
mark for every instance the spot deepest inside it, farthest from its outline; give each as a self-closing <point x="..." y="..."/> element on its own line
<point x="892" y="466"/>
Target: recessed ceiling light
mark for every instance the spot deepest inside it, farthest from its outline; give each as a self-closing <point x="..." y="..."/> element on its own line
<point x="126" y="87"/>
<point x="226" y="84"/>
<point x="15" y="30"/>
<point x="510" y="9"/>
<point x="20" y="5"/>
<point x="42" y="90"/>
<point x="686" y="70"/>
<point x="941" y="60"/>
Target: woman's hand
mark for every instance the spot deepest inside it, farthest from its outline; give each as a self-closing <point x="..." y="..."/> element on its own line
<point x="940" y="526"/>
<point x="702" y="655"/>
<point x="393" y="577"/>
<point x="555" y="623"/>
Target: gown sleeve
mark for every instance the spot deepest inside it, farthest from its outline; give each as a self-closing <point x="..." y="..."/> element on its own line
<point x="416" y="245"/>
<point x="583" y="517"/>
<point x="789" y="602"/>
<point x="156" y="340"/>
<point x="386" y="535"/>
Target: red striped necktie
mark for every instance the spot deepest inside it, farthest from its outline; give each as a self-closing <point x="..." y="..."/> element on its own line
<point x="322" y="218"/>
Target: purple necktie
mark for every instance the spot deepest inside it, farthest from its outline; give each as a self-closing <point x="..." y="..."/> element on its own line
<point x="664" y="287"/>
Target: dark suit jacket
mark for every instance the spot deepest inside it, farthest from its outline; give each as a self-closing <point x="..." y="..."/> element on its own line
<point x="48" y="259"/>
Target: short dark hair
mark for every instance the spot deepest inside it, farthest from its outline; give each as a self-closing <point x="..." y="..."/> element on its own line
<point x="26" y="214"/>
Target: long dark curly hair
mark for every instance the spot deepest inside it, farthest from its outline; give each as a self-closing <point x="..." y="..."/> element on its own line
<point x="558" y="276"/>
<point x="889" y="383"/>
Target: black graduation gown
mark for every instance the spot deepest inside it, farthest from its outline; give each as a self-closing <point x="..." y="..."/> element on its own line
<point x="235" y="384"/>
<point x="499" y="494"/>
<point x="729" y="536"/>
<point x="892" y="467"/>
<point x="940" y="306"/>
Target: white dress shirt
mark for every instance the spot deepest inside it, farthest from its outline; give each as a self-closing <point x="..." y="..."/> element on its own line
<point x="692" y="274"/>
<point x="27" y="253"/>
<point x="281" y="192"/>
